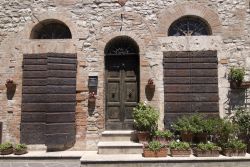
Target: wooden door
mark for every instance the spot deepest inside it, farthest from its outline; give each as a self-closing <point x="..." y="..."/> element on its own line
<point x="190" y="84"/>
<point x="49" y="99"/>
<point x="122" y="90"/>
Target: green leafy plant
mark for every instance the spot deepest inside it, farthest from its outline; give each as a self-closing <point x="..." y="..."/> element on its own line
<point x="155" y="145"/>
<point x="177" y="145"/>
<point x="19" y="147"/>
<point x="193" y="123"/>
<point x="207" y="146"/>
<point x="165" y="134"/>
<point x="242" y="119"/>
<point x="227" y="130"/>
<point x="234" y="145"/>
<point x="145" y="117"/>
<point x="5" y="146"/>
<point x="237" y="74"/>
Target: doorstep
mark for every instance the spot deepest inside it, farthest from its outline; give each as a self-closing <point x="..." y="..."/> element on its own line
<point x="46" y="155"/>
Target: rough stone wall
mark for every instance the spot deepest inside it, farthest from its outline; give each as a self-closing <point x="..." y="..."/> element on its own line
<point x="93" y="23"/>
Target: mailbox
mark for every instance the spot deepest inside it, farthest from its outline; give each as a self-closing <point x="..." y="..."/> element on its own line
<point x="93" y="81"/>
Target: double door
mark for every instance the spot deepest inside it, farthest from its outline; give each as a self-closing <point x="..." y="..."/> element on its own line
<point x="122" y="90"/>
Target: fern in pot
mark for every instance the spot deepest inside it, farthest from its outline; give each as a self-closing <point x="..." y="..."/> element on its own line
<point x="145" y="120"/>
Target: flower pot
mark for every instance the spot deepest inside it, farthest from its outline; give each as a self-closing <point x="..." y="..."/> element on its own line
<point x="20" y="152"/>
<point x="235" y="84"/>
<point x="180" y="153"/>
<point x="241" y="153"/>
<point x="160" y="153"/>
<point x="201" y="137"/>
<point x="206" y="153"/>
<point x="151" y="86"/>
<point x="6" y="151"/>
<point x="92" y="99"/>
<point x="143" y="136"/>
<point x="187" y="137"/>
<point x="228" y="152"/>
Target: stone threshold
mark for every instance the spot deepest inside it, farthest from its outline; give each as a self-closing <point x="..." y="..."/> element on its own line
<point x="46" y="155"/>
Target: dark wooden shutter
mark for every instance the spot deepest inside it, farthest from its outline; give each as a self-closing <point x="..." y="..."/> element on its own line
<point x="34" y="99"/>
<point x="60" y="115"/>
<point x="190" y="84"/>
<point x="48" y="100"/>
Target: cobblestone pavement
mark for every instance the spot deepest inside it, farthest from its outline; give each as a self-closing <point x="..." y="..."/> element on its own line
<point x="40" y="163"/>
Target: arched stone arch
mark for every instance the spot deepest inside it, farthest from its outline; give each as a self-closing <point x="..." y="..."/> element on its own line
<point x="61" y="16"/>
<point x="171" y="14"/>
<point x="111" y="27"/>
<point x="108" y="37"/>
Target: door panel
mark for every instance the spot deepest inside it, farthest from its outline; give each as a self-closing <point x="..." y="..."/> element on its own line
<point x="122" y="92"/>
<point x="48" y="100"/>
<point x="190" y="84"/>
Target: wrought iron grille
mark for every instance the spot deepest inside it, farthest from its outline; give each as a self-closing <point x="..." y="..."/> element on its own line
<point x="52" y="31"/>
<point x="121" y="46"/>
<point x="189" y="26"/>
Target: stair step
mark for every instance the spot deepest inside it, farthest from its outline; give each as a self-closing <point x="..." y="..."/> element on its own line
<point x="119" y="147"/>
<point x="127" y="135"/>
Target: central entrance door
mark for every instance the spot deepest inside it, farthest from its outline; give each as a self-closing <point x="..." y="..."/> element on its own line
<point x="122" y="85"/>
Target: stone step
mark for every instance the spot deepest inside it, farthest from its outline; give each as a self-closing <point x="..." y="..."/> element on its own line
<point x="120" y="147"/>
<point x="127" y="135"/>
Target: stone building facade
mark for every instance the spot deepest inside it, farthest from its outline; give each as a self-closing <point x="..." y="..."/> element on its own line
<point x="93" y="25"/>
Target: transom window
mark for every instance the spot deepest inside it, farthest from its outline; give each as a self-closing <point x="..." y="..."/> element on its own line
<point x="51" y="29"/>
<point x="121" y="45"/>
<point x="189" y="26"/>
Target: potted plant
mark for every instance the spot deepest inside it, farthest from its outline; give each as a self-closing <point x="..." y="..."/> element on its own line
<point x="207" y="150"/>
<point x="145" y="120"/>
<point x="92" y="97"/>
<point x="242" y="119"/>
<point x="154" y="149"/>
<point x="185" y="126"/>
<point x="234" y="148"/>
<point x="20" y="149"/>
<point x="180" y="149"/>
<point x="226" y="130"/>
<point x="6" y="148"/>
<point x="151" y="83"/>
<point x="236" y="77"/>
<point x="163" y="137"/>
<point x="10" y="84"/>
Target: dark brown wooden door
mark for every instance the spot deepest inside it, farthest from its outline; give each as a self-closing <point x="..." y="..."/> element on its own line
<point x="48" y="100"/>
<point x="190" y="84"/>
<point x="122" y="91"/>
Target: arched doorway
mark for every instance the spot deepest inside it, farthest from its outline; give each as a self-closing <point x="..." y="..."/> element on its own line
<point x="121" y="82"/>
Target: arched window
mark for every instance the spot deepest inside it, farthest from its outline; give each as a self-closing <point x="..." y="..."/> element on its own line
<point x="51" y="29"/>
<point x="189" y="26"/>
<point x="121" y="45"/>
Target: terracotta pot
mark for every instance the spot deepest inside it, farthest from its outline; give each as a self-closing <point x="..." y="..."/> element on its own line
<point x="151" y="86"/>
<point x="143" y="136"/>
<point x="180" y="153"/>
<point x="248" y="147"/>
<point x="161" y="153"/>
<point x="7" y="151"/>
<point x="20" y="152"/>
<point x="241" y="153"/>
<point x="187" y="137"/>
<point x="201" y="137"/>
<point x="206" y="153"/>
<point x="92" y="99"/>
<point x="228" y="152"/>
<point x="235" y="84"/>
